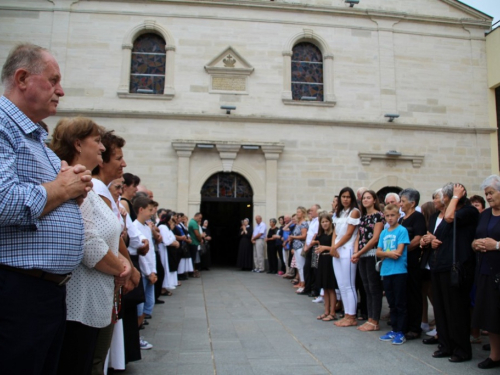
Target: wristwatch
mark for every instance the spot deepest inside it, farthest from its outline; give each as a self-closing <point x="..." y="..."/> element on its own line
<point x="497" y="247"/>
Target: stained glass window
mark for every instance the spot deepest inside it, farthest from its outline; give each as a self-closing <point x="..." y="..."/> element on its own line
<point x="147" y="72"/>
<point x="307" y="72"/>
<point x="226" y="185"/>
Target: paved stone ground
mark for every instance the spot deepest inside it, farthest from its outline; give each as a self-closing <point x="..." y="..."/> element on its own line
<point x="238" y="323"/>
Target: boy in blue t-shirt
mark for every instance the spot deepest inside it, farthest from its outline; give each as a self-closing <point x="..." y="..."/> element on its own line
<point x="392" y="248"/>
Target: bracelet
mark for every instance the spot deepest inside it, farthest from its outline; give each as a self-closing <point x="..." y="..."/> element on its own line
<point x="497" y="247"/>
<point x="455" y="197"/>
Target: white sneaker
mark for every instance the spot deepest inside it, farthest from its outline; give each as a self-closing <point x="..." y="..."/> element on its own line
<point x="432" y="333"/>
<point x="144" y="344"/>
<point x="318" y="299"/>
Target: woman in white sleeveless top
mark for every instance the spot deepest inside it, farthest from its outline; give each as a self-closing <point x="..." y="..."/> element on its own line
<point x="346" y="230"/>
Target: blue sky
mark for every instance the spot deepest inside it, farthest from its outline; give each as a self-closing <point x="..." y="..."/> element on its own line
<point x="491" y="7"/>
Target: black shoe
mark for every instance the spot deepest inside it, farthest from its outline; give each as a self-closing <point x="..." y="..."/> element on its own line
<point x="147" y="316"/>
<point x="440" y="354"/>
<point x="487" y="347"/>
<point x="141" y="327"/>
<point x="488" y="363"/>
<point x="430" y="341"/>
<point x="313" y="295"/>
<point x="303" y="293"/>
<point x="159" y="302"/>
<point x="412" y="336"/>
<point x="269" y="272"/>
<point x="457" y="359"/>
<point x="145" y="322"/>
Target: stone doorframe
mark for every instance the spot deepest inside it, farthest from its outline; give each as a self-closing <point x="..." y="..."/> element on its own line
<point x="265" y="198"/>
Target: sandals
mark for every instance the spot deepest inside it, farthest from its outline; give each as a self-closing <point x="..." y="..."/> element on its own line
<point x="347" y="322"/>
<point x="329" y="318"/>
<point x="368" y="327"/>
<point x="321" y="317"/>
<point x="167" y="293"/>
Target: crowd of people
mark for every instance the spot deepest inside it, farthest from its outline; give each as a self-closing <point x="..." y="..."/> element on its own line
<point x="86" y="253"/>
<point x="446" y="252"/>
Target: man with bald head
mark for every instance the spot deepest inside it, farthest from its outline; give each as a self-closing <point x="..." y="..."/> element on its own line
<point x="41" y="227"/>
<point x="258" y="235"/>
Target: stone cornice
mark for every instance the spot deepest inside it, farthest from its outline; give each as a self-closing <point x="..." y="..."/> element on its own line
<point x="273" y="120"/>
<point x="484" y="23"/>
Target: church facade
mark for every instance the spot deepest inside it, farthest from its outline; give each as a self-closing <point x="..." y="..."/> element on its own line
<point x="298" y="97"/>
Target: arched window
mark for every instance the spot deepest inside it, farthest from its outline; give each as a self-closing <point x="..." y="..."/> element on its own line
<point x="147" y="71"/>
<point x="307" y="72"/>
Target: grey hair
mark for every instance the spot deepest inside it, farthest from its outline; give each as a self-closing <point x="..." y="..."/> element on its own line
<point x="438" y="193"/>
<point x="411" y="194"/>
<point x="391" y="195"/>
<point x="491" y="181"/>
<point x="27" y="56"/>
<point x="273" y="220"/>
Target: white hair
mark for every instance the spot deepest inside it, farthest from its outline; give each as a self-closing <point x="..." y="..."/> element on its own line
<point x="491" y="181"/>
<point x="392" y="195"/>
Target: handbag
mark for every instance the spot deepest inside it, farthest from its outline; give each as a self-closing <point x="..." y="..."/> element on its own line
<point x="185" y="250"/>
<point x="203" y="248"/>
<point x="136" y="295"/>
<point x="455" y="267"/>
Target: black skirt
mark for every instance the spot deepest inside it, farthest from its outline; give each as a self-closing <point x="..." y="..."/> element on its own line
<point x="487" y="309"/>
<point x="326" y="275"/>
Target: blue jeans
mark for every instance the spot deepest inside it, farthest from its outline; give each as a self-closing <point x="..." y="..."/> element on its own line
<point x="149" y="294"/>
<point x="395" y="291"/>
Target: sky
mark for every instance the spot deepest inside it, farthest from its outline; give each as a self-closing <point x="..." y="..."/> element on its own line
<point x="491" y="7"/>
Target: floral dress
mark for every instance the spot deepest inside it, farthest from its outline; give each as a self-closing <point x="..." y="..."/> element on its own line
<point x="366" y="228"/>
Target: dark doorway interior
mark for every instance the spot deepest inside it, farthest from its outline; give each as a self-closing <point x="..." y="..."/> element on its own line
<point x="224" y="218"/>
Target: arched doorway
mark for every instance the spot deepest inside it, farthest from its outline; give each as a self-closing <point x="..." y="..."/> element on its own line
<point x="226" y="199"/>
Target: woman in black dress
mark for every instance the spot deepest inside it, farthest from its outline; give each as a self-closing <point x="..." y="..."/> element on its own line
<point x="487" y="243"/>
<point x="245" y="250"/>
<point x="326" y="275"/>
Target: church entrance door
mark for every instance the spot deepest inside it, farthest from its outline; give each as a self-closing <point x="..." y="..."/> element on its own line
<point x="226" y="199"/>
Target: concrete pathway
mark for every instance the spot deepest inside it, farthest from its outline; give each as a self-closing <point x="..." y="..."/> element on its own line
<point x="238" y="323"/>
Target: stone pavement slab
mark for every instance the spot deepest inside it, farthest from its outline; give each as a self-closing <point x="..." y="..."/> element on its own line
<point x="235" y="322"/>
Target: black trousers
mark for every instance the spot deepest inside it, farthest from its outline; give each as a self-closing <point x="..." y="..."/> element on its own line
<point x="452" y="312"/>
<point x="414" y="299"/>
<point x="362" y="303"/>
<point x="161" y="275"/>
<point x="395" y="292"/>
<point x="32" y="323"/>
<point x="193" y="249"/>
<point x="272" y="257"/>
<point x="78" y="349"/>
<point x="372" y="286"/>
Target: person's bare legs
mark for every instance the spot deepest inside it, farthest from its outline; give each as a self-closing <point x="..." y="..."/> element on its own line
<point x="495" y="346"/>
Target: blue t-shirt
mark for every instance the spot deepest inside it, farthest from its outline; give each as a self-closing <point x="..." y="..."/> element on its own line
<point x="389" y="241"/>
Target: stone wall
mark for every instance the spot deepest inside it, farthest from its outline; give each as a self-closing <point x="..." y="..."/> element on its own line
<point x="424" y="60"/>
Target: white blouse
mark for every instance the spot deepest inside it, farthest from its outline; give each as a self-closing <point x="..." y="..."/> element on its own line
<point x="89" y="293"/>
<point x="341" y="225"/>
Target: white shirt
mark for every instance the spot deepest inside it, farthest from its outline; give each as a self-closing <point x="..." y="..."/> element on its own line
<point x="260" y="228"/>
<point x="89" y="295"/>
<point x="341" y="225"/>
<point x="101" y="189"/>
<point x="312" y="231"/>
<point x="147" y="263"/>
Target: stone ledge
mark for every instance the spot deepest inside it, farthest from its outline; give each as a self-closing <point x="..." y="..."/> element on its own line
<point x="127" y="95"/>
<point x="250" y="119"/>
<point x="366" y="158"/>
<point x="309" y="103"/>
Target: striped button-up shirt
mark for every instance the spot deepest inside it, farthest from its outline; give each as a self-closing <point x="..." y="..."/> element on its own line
<point x="53" y="242"/>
